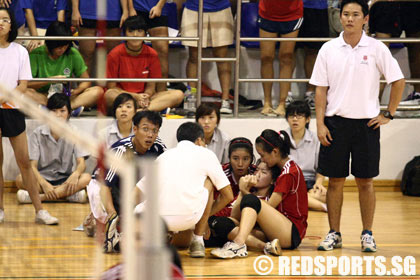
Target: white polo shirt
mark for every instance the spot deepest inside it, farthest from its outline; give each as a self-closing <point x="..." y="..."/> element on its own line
<point x="182" y="172"/>
<point x="353" y="74"/>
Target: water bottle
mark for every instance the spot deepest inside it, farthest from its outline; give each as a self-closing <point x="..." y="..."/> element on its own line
<point x="190" y="99"/>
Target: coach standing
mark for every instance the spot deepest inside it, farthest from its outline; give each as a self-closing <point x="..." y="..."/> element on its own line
<point x="346" y="75"/>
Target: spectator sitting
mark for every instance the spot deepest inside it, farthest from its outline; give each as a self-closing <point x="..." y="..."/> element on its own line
<point x="58" y="59"/>
<point x="52" y="161"/>
<point x="133" y="59"/>
<point x="84" y="18"/>
<point x="157" y="26"/>
<point x="39" y="15"/>
<point x="208" y="116"/>
<point x="124" y="108"/>
<point x="304" y="151"/>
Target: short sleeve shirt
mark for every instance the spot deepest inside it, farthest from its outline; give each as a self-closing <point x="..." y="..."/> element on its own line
<point x="294" y="204"/>
<point x="120" y="64"/>
<point x="219" y="144"/>
<point x="284" y="10"/>
<point x="14" y="67"/>
<point x="55" y="157"/>
<point x="88" y="9"/>
<point x="208" y="5"/>
<point x="112" y="134"/>
<point x="352" y="76"/>
<point x="45" y="11"/>
<point x="69" y="65"/>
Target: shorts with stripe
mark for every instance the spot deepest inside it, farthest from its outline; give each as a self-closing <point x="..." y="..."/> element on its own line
<point x="279" y="27"/>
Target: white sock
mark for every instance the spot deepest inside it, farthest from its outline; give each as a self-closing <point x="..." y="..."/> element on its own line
<point x="309" y="93"/>
<point x="199" y="238"/>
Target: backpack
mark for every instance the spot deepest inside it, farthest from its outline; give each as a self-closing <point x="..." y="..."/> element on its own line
<point x="410" y="183"/>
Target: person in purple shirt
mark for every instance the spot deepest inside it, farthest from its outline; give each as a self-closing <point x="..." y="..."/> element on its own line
<point x="84" y="18"/>
<point x="156" y="18"/>
<point x="39" y="15"/>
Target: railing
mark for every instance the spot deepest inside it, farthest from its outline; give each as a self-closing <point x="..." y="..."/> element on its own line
<point x="235" y="59"/>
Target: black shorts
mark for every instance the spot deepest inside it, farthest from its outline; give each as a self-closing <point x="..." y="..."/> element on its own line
<point x="153" y="22"/>
<point x="91" y="23"/>
<point x="279" y="27"/>
<point x="315" y="24"/>
<point x="295" y="238"/>
<point x="12" y="122"/>
<point x="351" y="137"/>
<point x="57" y="182"/>
<point x="394" y="17"/>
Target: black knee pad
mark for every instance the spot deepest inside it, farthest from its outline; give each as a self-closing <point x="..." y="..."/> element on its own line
<point x="251" y="201"/>
<point x="221" y="226"/>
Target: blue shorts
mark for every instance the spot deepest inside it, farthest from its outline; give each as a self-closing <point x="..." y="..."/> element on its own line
<point x="279" y="27"/>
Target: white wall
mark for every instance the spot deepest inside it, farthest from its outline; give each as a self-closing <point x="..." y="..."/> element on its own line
<point x="400" y="140"/>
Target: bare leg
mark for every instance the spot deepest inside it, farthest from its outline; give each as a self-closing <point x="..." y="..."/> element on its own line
<point x="112" y="32"/>
<point x="223" y="71"/>
<point x="110" y="96"/>
<point x="192" y="65"/>
<point x="1" y="173"/>
<point x="251" y="241"/>
<point x="315" y="204"/>
<point x="39" y="98"/>
<point x="287" y="64"/>
<point x="20" y="148"/>
<point x="87" y="98"/>
<point x="202" y="224"/>
<point x="414" y="59"/>
<point x="267" y="51"/>
<point x="162" y="48"/>
<point x="87" y="47"/>
<point x="310" y="57"/>
<point x="367" y="201"/>
<point x="165" y="99"/>
<point x="335" y="202"/>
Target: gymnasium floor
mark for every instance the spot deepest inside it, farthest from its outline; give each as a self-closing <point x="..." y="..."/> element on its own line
<point x="31" y="251"/>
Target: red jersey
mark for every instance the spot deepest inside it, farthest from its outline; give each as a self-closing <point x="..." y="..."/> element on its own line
<point x="281" y="10"/>
<point x="225" y="212"/>
<point x="294" y="204"/>
<point x="120" y="64"/>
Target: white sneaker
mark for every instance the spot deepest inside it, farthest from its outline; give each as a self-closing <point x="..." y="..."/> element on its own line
<point x="23" y="196"/>
<point x="197" y="249"/>
<point x="368" y="242"/>
<point x="78" y="197"/>
<point x="1" y="216"/>
<point x="273" y="248"/>
<point x="43" y="217"/>
<point x="230" y="250"/>
<point x="332" y="240"/>
<point x="225" y="108"/>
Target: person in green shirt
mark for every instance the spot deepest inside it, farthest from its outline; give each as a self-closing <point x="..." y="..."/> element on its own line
<point x="58" y="59"/>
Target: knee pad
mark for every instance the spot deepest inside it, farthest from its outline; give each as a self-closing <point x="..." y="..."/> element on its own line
<point x="221" y="226"/>
<point x="251" y="201"/>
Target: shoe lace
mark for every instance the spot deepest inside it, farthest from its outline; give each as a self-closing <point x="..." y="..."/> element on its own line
<point x="330" y="236"/>
<point x="367" y="238"/>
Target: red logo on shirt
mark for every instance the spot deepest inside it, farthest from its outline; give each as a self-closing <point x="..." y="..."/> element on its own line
<point x="365" y="57"/>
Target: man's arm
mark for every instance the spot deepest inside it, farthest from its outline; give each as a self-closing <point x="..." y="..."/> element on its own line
<point x="324" y="135"/>
<point x="397" y="88"/>
<point x="226" y="196"/>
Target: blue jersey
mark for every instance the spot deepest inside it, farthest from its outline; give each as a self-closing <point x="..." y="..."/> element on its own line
<point x="209" y="5"/>
<point x="16" y="7"/>
<point x="147" y="5"/>
<point x="315" y="4"/>
<point x="87" y="9"/>
<point x="45" y="11"/>
<point x="121" y="147"/>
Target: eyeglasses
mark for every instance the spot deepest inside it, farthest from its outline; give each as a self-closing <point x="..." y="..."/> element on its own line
<point x="6" y="20"/>
<point x="297" y="116"/>
<point x="148" y="130"/>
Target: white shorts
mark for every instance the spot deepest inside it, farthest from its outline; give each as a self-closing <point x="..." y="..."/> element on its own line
<point x="217" y="28"/>
<point x="180" y="222"/>
<point x="96" y="206"/>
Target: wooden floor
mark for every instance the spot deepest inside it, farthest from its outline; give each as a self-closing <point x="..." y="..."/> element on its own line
<point x="31" y="251"/>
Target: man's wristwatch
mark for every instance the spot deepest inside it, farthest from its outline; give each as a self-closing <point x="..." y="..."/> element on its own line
<point x="388" y="115"/>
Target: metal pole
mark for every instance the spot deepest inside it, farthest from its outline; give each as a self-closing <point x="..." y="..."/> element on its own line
<point x="200" y="49"/>
<point x="238" y="58"/>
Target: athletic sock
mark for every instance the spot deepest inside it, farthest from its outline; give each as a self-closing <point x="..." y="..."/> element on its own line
<point x="198" y="238"/>
<point x="366" y="231"/>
